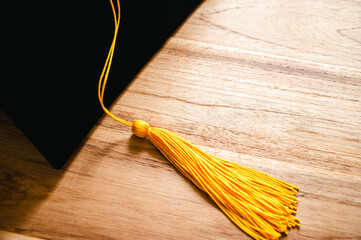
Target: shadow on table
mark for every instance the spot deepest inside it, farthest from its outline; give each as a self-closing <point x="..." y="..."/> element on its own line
<point x="26" y="178"/>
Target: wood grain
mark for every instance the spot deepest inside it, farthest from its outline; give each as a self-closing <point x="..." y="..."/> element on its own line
<point x="273" y="85"/>
<point x="15" y="236"/>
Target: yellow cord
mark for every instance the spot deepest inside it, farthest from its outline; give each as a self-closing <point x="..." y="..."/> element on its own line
<point x="104" y="75"/>
<point x="262" y="206"/>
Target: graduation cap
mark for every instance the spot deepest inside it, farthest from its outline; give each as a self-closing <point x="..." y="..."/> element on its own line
<point x="59" y="48"/>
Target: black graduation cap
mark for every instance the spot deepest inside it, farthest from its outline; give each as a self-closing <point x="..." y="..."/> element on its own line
<point x="60" y="49"/>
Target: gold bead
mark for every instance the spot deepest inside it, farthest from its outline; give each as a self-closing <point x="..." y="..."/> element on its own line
<point x="140" y="128"/>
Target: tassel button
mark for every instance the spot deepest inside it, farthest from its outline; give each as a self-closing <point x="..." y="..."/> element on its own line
<point x="140" y="128"/>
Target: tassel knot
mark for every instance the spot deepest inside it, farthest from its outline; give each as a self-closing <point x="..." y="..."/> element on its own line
<point x="140" y="128"/>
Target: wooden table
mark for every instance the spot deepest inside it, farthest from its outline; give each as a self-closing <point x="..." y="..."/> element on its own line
<point x="273" y="85"/>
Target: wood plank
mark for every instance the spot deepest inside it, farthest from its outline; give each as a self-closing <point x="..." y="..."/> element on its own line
<point x="322" y="31"/>
<point x="275" y="86"/>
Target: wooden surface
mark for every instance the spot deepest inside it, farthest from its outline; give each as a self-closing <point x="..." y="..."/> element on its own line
<point x="273" y="85"/>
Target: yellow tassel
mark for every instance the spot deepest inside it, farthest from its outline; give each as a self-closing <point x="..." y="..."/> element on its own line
<point x="262" y="206"/>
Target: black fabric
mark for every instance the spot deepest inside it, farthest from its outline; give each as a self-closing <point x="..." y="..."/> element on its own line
<point x="60" y="51"/>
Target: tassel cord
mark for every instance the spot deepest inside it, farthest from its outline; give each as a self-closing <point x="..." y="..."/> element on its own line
<point x="105" y="72"/>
